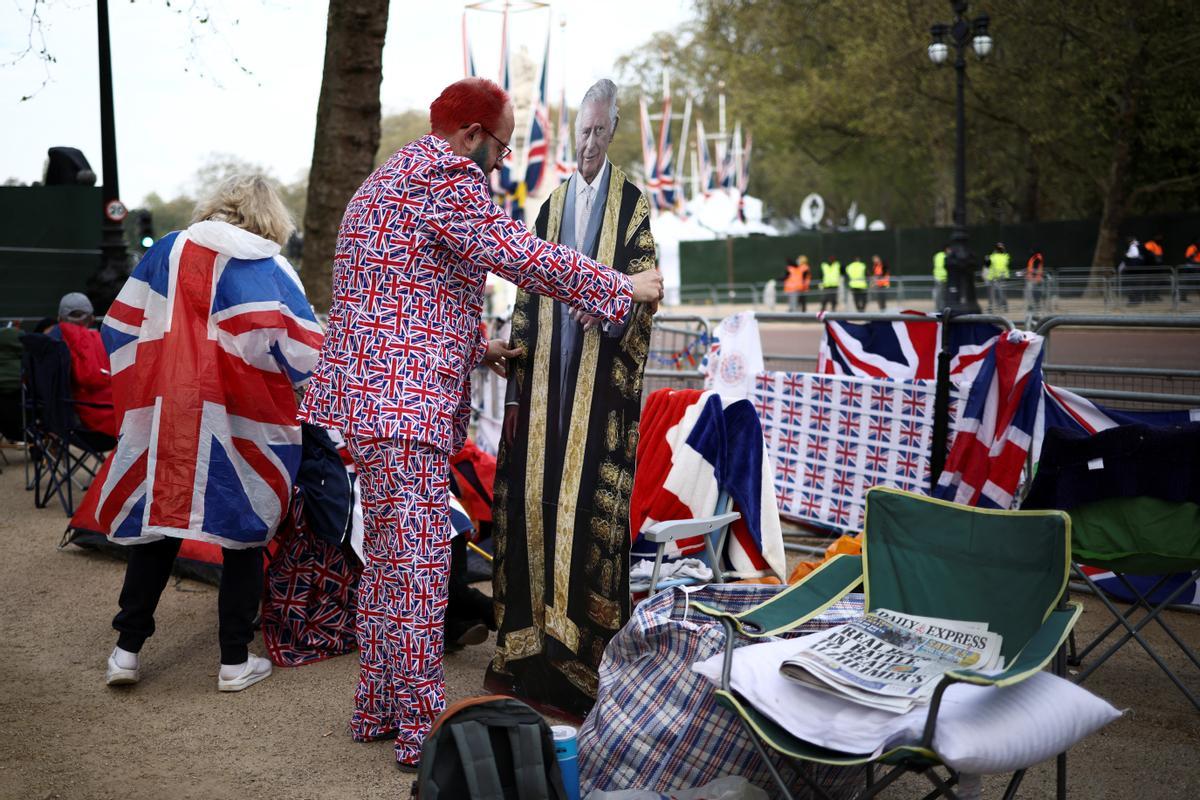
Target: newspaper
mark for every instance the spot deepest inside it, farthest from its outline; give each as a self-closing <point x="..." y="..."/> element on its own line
<point x="889" y="660"/>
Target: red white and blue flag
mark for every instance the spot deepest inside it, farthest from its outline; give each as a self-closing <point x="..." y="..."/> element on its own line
<point x="539" y="125"/>
<point x="564" y="159"/>
<point x="905" y="350"/>
<point x="832" y="437"/>
<point x="205" y="350"/>
<point x="649" y="154"/>
<point x="998" y="425"/>
<point x="666" y="155"/>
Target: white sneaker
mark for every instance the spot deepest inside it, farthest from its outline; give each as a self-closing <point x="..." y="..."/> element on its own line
<point x="235" y="677"/>
<point x="122" y="668"/>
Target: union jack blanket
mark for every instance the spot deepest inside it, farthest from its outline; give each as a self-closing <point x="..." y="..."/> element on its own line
<point x="832" y="437"/>
<point x="692" y="449"/>
<point x="207" y="340"/>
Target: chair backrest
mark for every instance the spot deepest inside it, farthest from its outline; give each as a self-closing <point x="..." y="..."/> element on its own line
<point x="940" y="559"/>
<point x="46" y="367"/>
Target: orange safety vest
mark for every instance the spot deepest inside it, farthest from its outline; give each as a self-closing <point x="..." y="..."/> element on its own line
<point x="798" y="278"/>
<point x="1192" y="254"/>
<point x="1034" y="268"/>
<point x="1154" y="247"/>
<point x="882" y="279"/>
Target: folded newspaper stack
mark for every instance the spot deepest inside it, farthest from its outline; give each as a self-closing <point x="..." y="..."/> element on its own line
<point x="889" y="660"/>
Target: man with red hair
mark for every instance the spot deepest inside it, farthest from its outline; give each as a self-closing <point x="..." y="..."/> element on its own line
<point x="415" y="246"/>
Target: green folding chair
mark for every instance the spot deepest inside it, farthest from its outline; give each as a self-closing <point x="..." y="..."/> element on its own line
<point x="932" y="558"/>
<point x="1137" y="536"/>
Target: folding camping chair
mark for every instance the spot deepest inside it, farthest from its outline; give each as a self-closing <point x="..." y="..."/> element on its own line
<point x="714" y="529"/>
<point x="1137" y="536"/>
<point x="62" y="451"/>
<point x="932" y="558"/>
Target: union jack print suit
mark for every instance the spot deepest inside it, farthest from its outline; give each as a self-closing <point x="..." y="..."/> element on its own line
<point x="415" y="246"/>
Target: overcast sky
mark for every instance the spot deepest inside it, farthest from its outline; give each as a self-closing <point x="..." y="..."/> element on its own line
<point x="180" y="94"/>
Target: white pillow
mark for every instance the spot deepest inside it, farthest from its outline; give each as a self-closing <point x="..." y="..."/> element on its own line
<point x="980" y="729"/>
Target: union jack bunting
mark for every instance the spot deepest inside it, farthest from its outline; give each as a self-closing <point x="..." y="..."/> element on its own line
<point x="206" y="340"/>
<point x="832" y="437"/>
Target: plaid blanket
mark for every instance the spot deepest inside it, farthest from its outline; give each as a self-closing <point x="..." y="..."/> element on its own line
<point x="656" y="724"/>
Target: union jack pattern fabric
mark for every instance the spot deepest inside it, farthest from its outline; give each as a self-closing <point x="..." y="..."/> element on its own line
<point x="405" y="488"/>
<point x="413" y="252"/>
<point x="996" y="431"/>
<point x="832" y="437"/>
<point x="206" y="339"/>
<point x="308" y="613"/>
<point x="903" y="350"/>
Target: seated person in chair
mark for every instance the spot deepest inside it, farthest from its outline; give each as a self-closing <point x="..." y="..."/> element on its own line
<point x="91" y="380"/>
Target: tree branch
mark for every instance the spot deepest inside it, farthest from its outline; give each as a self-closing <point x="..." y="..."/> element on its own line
<point x="1158" y="186"/>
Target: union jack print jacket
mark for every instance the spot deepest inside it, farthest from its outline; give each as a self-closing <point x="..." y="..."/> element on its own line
<point x="415" y="246"/>
<point x="207" y="339"/>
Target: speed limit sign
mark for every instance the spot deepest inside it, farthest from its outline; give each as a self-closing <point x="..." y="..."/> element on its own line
<point x="115" y="210"/>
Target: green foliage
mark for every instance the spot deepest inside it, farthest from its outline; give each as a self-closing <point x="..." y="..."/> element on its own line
<point x="843" y="100"/>
<point x="397" y="130"/>
<point x="176" y="213"/>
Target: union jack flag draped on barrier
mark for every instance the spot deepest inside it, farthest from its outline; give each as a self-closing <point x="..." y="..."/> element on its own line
<point x="903" y="350"/>
<point x="206" y="341"/>
<point x="999" y="423"/>
<point x="831" y="437"/>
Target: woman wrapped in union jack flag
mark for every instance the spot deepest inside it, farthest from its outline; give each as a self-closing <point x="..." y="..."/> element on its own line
<point x="208" y="340"/>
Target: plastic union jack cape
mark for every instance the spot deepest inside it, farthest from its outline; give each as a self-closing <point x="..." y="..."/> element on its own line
<point x="207" y="340"/>
<point x="903" y="351"/>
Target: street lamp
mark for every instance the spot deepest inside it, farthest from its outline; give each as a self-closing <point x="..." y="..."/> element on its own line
<point x="960" y="267"/>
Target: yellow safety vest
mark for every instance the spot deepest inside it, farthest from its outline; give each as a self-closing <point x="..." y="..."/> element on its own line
<point x="856" y="275"/>
<point x="831" y="274"/>
<point x="939" y="266"/>
<point x="998" y="266"/>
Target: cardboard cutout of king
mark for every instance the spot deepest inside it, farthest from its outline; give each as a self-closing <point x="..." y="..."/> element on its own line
<point x="566" y="465"/>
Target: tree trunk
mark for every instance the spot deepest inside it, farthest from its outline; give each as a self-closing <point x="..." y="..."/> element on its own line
<point x="1116" y="191"/>
<point x="347" y="134"/>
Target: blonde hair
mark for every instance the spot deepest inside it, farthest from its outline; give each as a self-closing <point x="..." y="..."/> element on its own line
<point x="250" y="202"/>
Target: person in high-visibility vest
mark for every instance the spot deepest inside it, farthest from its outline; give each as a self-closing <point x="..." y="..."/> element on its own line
<point x="796" y="283"/>
<point x="939" y="278"/>
<point x="831" y="279"/>
<point x="881" y="281"/>
<point x="1189" y="274"/>
<point x="1035" y="270"/>
<point x="856" y="279"/>
<point x="996" y="274"/>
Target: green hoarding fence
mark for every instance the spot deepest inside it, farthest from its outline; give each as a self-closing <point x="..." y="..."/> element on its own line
<point x="909" y="251"/>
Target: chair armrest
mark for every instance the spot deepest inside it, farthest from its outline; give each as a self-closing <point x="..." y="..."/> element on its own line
<point x="798" y="603"/>
<point x="1033" y="658"/>
<point x="1036" y="654"/>
<point x="674" y="529"/>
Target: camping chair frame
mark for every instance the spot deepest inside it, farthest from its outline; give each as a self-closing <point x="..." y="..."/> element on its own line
<point x="61" y="451"/>
<point x="714" y="529"/>
<point x="829" y="583"/>
<point x="1132" y="630"/>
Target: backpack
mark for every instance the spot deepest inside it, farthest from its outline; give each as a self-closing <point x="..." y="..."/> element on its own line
<point x="489" y="748"/>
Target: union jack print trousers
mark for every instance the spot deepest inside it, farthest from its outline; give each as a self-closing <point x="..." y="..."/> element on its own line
<point x="405" y="487"/>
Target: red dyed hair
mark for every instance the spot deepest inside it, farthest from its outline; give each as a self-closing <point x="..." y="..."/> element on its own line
<point x="466" y="102"/>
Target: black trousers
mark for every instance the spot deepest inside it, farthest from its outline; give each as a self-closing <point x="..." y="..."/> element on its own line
<point x="237" y="599"/>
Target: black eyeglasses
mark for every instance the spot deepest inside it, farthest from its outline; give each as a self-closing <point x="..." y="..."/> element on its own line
<point x="505" y="150"/>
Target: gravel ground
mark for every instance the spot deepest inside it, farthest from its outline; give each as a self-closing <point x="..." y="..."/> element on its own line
<point x="64" y="734"/>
